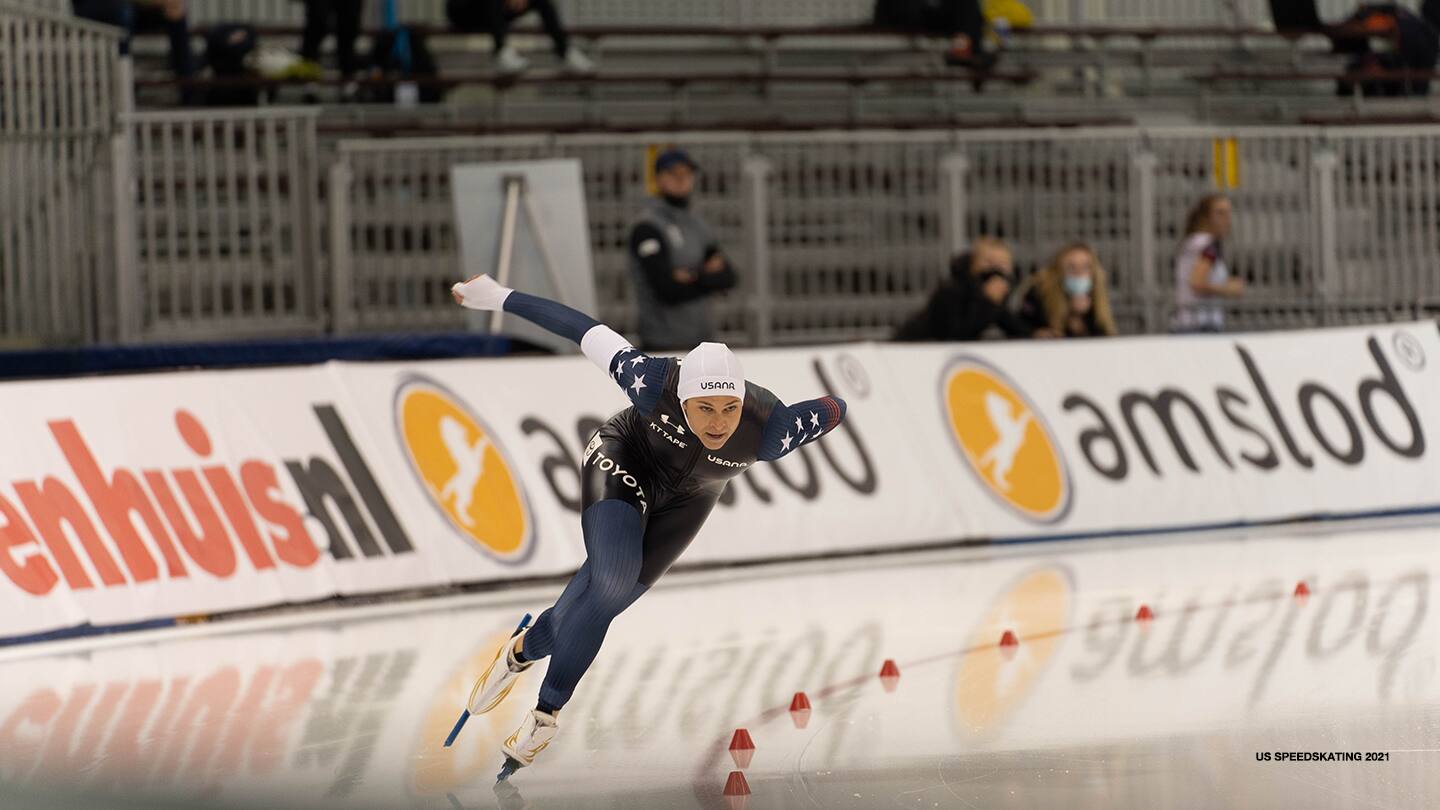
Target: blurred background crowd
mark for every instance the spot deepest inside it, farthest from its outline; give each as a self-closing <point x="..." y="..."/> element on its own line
<point x="756" y="172"/>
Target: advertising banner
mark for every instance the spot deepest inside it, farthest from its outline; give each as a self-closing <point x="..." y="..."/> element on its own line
<point x="1066" y="437"/>
<point x="132" y="498"/>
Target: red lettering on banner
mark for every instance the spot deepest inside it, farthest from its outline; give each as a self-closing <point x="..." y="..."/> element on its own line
<point x="193" y="433"/>
<point x="115" y="501"/>
<point x="34" y="575"/>
<point x="50" y="509"/>
<point x="211" y="548"/>
<point x="297" y="683"/>
<point x="240" y="518"/>
<point x="293" y="543"/>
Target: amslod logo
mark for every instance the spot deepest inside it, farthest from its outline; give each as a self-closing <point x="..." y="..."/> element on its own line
<point x="1370" y="412"/>
<point x="464" y="470"/>
<point x="1005" y="441"/>
<point x="1248" y="420"/>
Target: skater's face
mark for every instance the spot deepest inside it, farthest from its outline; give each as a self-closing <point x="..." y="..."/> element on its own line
<point x="713" y="419"/>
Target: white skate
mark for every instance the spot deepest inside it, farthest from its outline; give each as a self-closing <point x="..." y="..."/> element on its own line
<point x="499" y="678"/>
<point x="529" y="740"/>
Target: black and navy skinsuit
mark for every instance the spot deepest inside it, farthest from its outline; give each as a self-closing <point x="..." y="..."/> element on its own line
<point x="648" y="485"/>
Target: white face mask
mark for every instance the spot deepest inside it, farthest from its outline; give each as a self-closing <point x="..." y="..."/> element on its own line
<point x="1078" y="285"/>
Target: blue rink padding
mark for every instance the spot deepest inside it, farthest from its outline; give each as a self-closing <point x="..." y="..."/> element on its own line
<point x="83" y="630"/>
<point x="1233" y="525"/>
<point x="465" y="713"/>
<point x="232" y="354"/>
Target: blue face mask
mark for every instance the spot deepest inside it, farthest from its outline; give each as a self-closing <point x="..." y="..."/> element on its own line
<point x="1078" y="285"/>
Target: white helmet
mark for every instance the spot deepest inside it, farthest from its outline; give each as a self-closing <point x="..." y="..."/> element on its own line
<point x="711" y="370"/>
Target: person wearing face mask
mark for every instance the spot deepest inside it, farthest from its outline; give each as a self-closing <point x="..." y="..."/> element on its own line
<point x="1068" y="297"/>
<point x="1202" y="280"/>
<point x="971" y="304"/>
<point x="675" y="262"/>
<point x="649" y="478"/>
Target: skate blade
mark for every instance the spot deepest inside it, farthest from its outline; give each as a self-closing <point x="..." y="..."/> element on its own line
<point x="508" y="769"/>
<point x="459" y="724"/>
<point x="465" y="713"/>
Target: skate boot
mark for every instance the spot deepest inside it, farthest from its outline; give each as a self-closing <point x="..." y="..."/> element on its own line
<point x="529" y="740"/>
<point x="499" y="678"/>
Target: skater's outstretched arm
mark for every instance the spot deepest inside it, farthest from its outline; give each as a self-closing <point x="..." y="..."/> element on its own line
<point x="790" y="426"/>
<point x="641" y="376"/>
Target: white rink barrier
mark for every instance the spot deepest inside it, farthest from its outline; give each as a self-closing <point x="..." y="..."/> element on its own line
<point x="133" y="498"/>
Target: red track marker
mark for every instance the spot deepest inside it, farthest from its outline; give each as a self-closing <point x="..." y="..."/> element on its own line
<point x="889" y="675"/>
<point x="1144" y="614"/>
<point x="1302" y="590"/>
<point x="1009" y="639"/>
<point x="800" y="710"/>
<point x="742" y="748"/>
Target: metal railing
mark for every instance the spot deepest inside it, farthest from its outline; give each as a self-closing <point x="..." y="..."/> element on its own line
<point x="220" y="226"/>
<point x="839" y="236"/>
<point x="58" y="85"/>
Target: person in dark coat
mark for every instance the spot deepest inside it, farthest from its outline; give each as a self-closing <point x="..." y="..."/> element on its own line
<point x="971" y="304"/>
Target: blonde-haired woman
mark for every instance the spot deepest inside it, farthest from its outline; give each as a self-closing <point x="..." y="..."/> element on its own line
<point x="1069" y="297"/>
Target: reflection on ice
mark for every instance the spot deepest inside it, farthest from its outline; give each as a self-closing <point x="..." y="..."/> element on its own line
<point x="1092" y="709"/>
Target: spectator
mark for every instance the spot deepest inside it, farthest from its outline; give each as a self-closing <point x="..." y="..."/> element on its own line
<point x="318" y="17"/>
<point x="1411" y="43"/>
<point x="147" y="15"/>
<point x="675" y="261"/>
<point x="1068" y="297"/>
<point x="960" y="20"/>
<point x="494" y="17"/>
<point x="970" y="305"/>
<point x="1201" y="277"/>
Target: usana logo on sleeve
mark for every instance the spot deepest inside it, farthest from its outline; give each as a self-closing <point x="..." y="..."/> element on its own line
<point x="1005" y="441"/>
<point x="464" y="470"/>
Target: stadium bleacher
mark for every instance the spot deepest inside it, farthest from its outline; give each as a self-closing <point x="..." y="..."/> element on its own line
<point x="281" y="220"/>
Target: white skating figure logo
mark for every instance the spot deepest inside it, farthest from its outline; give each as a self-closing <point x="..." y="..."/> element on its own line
<point x="1010" y="437"/>
<point x="469" y="467"/>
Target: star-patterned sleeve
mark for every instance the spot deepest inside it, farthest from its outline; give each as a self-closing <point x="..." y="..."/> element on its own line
<point x="791" y="426"/>
<point x="641" y="376"/>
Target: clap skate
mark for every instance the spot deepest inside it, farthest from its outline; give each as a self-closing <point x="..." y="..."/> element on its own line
<point x="529" y="740"/>
<point x="495" y="682"/>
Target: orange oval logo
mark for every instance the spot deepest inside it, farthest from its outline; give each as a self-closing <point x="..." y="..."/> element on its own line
<point x="989" y="684"/>
<point x="1005" y="442"/>
<point x="464" y="470"/>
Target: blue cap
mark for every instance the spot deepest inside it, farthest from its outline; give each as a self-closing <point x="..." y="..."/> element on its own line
<point x="674" y="157"/>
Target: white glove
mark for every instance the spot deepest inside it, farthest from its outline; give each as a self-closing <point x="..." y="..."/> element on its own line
<point x="481" y="292"/>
